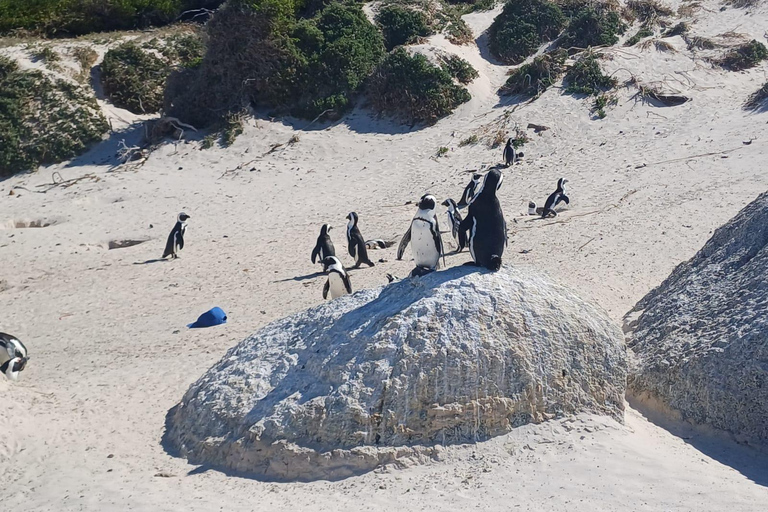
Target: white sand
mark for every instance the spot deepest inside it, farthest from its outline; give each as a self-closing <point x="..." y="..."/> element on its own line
<point x="111" y="354"/>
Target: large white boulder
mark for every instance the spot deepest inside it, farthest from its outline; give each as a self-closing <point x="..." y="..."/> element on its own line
<point x="453" y="357"/>
<point x="701" y="337"/>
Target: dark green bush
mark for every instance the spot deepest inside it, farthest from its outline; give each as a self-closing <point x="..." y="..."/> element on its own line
<point x="411" y="88"/>
<point x="77" y="17"/>
<point x="535" y="77"/>
<point x="459" y="68"/>
<point x="401" y="25"/>
<point x="746" y="56"/>
<point x="593" y="27"/>
<point x="640" y="34"/>
<point x="522" y="27"/>
<point x="43" y="121"/>
<point x="586" y="77"/>
<point x="648" y="11"/>
<point x="134" y="78"/>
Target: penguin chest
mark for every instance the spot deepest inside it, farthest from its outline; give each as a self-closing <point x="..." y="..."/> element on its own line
<point x="336" y="285"/>
<point x="425" y="254"/>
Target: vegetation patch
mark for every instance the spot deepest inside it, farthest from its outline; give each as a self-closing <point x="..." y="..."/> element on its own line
<point x="77" y="17"/>
<point x="401" y="25"/>
<point x="586" y="77"/>
<point x="700" y="43"/>
<point x="640" y="34"/>
<point x="522" y="27"/>
<point x="602" y="101"/>
<point x="677" y="30"/>
<point x="86" y="57"/>
<point x="458" y="68"/>
<point x="648" y="11"/>
<point x="413" y="89"/>
<point x="758" y="100"/>
<point x="534" y="78"/>
<point x="471" y="140"/>
<point x="593" y="26"/>
<point x="134" y="76"/>
<point x="745" y="56"/>
<point x="43" y="121"/>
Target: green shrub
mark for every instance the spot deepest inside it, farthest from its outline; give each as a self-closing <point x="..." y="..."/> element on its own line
<point x="459" y="68"/>
<point x="472" y="139"/>
<point x="593" y="27"/>
<point x="601" y="102"/>
<point x="586" y="77"/>
<point x="648" y="11"/>
<point x="43" y="121"/>
<point x="640" y="34"/>
<point x="77" y="17"/>
<point x="746" y="56"/>
<point x="522" y="27"/>
<point x="535" y="77"/>
<point x="401" y="25"/>
<point x="133" y="78"/>
<point x="411" y="88"/>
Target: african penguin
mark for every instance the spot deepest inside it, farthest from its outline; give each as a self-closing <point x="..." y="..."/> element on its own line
<point x="511" y="155"/>
<point x="554" y="199"/>
<point x="356" y="242"/>
<point x="531" y="208"/>
<point x="424" y="236"/>
<point x="324" y="246"/>
<point x="454" y="217"/>
<point x="469" y="191"/>
<point x="486" y="225"/>
<point x="13" y="356"/>
<point x="175" y="241"/>
<point x="338" y="282"/>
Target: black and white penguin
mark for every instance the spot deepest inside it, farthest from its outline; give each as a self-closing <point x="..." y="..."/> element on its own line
<point x="486" y="225"/>
<point x="424" y="236"/>
<point x="511" y="155"/>
<point x="531" y="208"/>
<point x="13" y="356"/>
<point x="469" y="191"/>
<point x="175" y="241"/>
<point x="338" y="282"/>
<point x="454" y="217"/>
<point x="356" y="242"/>
<point x="554" y="199"/>
<point x="324" y="246"/>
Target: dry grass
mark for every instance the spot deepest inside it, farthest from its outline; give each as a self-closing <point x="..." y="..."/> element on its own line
<point x="649" y="11"/>
<point x="688" y="10"/>
<point x="758" y="100"/>
<point x="86" y="58"/>
<point x="741" y="4"/>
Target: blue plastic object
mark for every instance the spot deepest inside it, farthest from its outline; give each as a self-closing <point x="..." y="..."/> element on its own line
<point x="215" y="316"/>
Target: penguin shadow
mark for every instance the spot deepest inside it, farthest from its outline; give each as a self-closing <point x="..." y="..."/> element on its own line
<point x="305" y="277"/>
<point x="156" y="260"/>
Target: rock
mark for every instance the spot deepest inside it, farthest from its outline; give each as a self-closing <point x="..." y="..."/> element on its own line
<point x="700" y="337"/>
<point x="390" y="374"/>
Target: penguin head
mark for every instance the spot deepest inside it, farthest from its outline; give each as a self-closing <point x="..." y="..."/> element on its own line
<point x="427" y="202"/>
<point x="493" y="180"/>
<point x="183" y="217"/>
<point x="325" y="229"/>
<point x="332" y="262"/>
<point x="352" y="218"/>
<point x="509" y="141"/>
<point x="12" y="367"/>
<point x="450" y="203"/>
<point x="561" y="183"/>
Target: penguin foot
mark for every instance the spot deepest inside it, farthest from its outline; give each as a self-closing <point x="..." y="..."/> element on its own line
<point x="470" y="264"/>
<point x="421" y="271"/>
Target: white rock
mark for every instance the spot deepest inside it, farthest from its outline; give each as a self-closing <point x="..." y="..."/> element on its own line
<point x="388" y="375"/>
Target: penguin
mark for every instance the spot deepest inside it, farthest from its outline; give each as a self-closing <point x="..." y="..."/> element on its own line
<point x="427" y="246"/>
<point x="324" y="246"/>
<point x="338" y="282"/>
<point x="469" y="191"/>
<point x="175" y="241"/>
<point x="554" y="199"/>
<point x="486" y="225"/>
<point x="356" y="242"/>
<point x="13" y="356"/>
<point x="531" y="208"/>
<point x="511" y="155"/>
<point x="454" y="217"/>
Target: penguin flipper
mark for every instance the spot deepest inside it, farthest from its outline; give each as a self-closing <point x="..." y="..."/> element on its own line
<point x="565" y="198"/>
<point x="180" y="241"/>
<point x="438" y="240"/>
<point x="315" y="253"/>
<point x="462" y="240"/>
<point x="403" y="244"/>
<point x="326" y="288"/>
<point x="347" y="282"/>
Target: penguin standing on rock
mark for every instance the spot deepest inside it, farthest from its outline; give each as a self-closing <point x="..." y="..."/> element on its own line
<point x="554" y="199"/>
<point x="338" y="282"/>
<point x="175" y="241"/>
<point x="486" y="225"/>
<point x="424" y="233"/>
<point x="324" y="246"/>
<point x="356" y="242"/>
<point x="469" y="191"/>
<point x="455" y="219"/>
<point x="13" y="356"/>
<point x="511" y="155"/>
